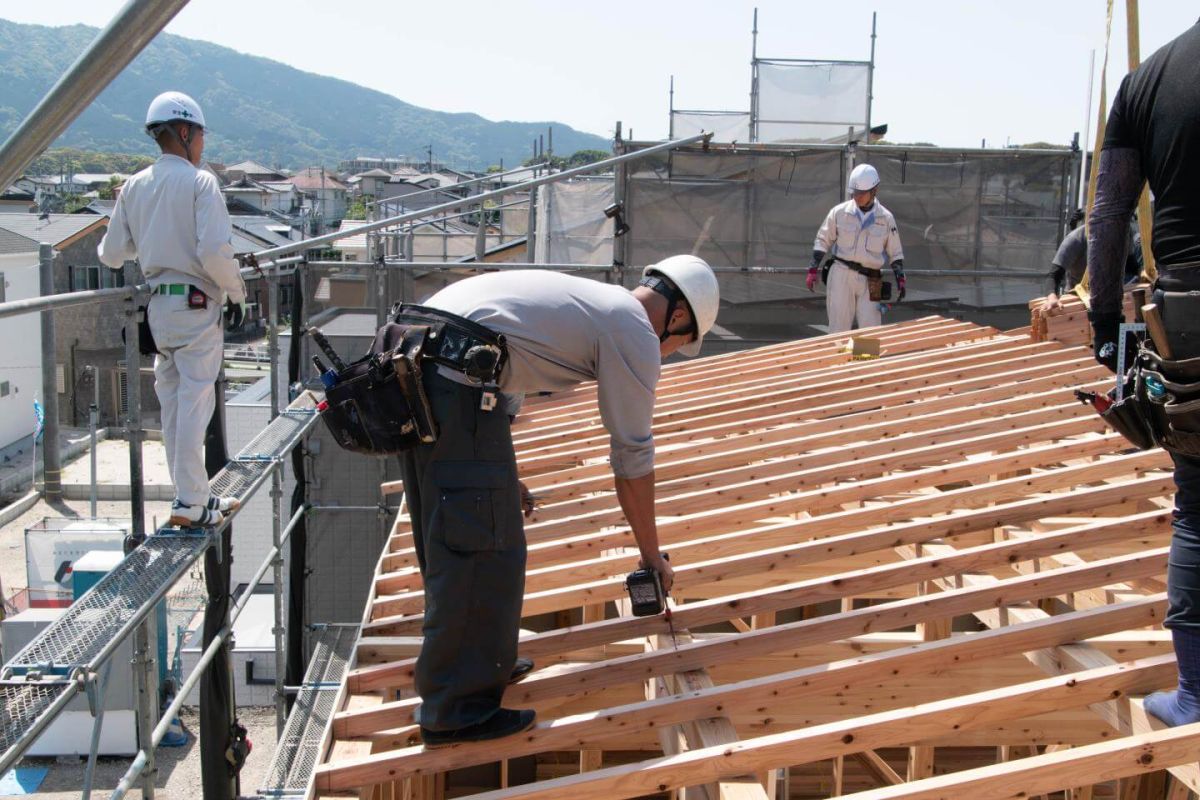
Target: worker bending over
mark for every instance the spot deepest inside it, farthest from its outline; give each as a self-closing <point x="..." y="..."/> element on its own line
<point x="1070" y="261"/>
<point x="1153" y="135"/>
<point x="861" y="236"/>
<point x="171" y="217"/>
<point x="552" y="331"/>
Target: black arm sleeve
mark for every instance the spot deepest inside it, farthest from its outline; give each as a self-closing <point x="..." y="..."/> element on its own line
<point x="1118" y="184"/>
<point x="818" y="257"/>
<point x="1054" y="279"/>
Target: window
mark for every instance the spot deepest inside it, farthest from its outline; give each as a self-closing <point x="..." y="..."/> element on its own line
<point x="2" y="285"/>
<point x="86" y="278"/>
<point x="4" y="389"/>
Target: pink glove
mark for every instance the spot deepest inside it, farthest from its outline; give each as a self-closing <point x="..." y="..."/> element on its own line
<point x="811" y="280"/>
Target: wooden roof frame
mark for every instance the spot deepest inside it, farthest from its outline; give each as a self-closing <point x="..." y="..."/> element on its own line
<point x="829" y="521"/>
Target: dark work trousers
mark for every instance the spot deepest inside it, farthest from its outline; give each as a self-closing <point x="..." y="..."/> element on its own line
<point x="1183" y="564"/>
<point x="465" y="503"/>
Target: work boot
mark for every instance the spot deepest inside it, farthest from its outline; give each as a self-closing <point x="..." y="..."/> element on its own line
<point x="185" y="516"/>
<point x="1182" y="706"/>
<point x="223" y="504"/>
<point x="521" y="668"/>
<point x="504" y="722"/>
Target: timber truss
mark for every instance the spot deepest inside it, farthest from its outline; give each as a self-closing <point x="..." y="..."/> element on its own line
<point x="931" y="575"/>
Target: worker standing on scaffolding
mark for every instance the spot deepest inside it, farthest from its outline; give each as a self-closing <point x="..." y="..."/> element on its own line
<point x="171" y="217"/>
<point x="1153" y="134"/>
<point x="548" y="332"/>
<point x="861" y="236"/>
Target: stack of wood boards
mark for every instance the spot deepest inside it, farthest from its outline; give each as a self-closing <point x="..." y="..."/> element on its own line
<point x="1068" y="323"/>
<point x="935" y="574"/>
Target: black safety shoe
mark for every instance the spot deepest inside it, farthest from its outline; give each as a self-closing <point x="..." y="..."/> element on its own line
<point x="504" y="722"/>
<point x="521" y="668"/>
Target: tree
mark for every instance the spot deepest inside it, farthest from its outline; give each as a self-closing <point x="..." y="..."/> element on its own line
<point x="109" y="190"/>
<point x="581" y="157"/>
<point x="357" y="208"/>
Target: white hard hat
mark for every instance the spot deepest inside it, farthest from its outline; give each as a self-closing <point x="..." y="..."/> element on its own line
<point x="694" y="278"/>
<point x="863" y="178"/>
<point x="173" y="107"/>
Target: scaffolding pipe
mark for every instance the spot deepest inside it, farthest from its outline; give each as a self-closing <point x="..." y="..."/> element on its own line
<point x="119" y="43"/>
<point x="133" y="405"/>
<point x="478" y="199"/>
<point x="51" y="455"/>
<point x="160" y="730"/>
<point x="32" y="305"/>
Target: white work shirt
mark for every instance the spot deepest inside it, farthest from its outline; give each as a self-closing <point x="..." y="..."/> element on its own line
<point x="562" y="330"/>
<point x="869" y="238"/>
<point x="171" y="217"/>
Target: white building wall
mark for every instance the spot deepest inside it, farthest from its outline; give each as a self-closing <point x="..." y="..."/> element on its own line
<point x="20" y="350"/>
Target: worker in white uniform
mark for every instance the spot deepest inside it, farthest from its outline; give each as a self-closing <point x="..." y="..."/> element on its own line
<point x="860" y="234"/>
<point x="171" y="217"/>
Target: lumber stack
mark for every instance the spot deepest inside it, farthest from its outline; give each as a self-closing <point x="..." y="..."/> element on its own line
<point x="934" y="574"/>
<point x="1069" y="323"/>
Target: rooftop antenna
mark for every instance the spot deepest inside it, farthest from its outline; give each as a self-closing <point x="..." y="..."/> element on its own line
<point x="671" y="109"/>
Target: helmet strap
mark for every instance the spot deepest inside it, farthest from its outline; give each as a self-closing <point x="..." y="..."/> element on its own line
<point x="674" y="297"/>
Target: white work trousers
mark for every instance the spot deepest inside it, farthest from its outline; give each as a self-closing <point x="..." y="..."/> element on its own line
<point x="190" y="344"/>
<point x="847" y="296"/>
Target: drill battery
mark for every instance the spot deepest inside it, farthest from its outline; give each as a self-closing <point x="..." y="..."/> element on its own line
<point x="645" y="592"/>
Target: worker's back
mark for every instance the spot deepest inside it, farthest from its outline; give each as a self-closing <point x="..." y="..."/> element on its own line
<point x="1157" y="112"/>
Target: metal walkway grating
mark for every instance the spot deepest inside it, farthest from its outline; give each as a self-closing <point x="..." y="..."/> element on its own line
<point x="299" y="748"/>
<point x="89" y="630"/>
<point x="21" y="704"/>
<point x="112" y="605"/>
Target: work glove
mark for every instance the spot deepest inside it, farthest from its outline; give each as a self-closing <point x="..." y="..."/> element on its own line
<point x="1106" y="330"/>
<point x="900" y="284"/>
<point x="811" y="280"/>
<point x="235" y="313"/>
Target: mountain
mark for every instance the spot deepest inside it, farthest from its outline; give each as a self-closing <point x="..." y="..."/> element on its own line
<point x="256" y="108"/>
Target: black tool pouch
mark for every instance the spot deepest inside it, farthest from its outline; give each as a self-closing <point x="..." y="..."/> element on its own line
<point x="1175" y="411"/>
<point x="1130" y="416"/>
<point x="378" y="403"/>
<point x="146" y="344"/>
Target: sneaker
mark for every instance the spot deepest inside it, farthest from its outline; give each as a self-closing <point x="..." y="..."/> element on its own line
<point x="185" y="516"/>
<point x="521" y="668"/>
<point x="504" y="722"/>
<point x="223" y="504"/>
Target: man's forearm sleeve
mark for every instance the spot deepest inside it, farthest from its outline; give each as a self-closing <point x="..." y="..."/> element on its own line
<point x="1119" y="180"/>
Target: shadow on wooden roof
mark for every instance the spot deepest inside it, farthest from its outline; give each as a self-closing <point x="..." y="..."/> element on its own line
<point x="934" y="574"/>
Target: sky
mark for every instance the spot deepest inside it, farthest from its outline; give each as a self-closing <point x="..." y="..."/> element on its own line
<point x="955" y="73"/>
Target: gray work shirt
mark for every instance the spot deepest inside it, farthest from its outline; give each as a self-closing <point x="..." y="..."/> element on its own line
<point x="563" y="330"/>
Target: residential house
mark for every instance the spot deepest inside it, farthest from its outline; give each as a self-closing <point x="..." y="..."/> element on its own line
<point x="280" y="196"/>
<point x="252" y="170"/>
<point x="17" y="200"/>
<point x="21" y="367"/>
<point x="325" y="197"/>
<point x="88" y="334"/>
<point x="370" y="183"/>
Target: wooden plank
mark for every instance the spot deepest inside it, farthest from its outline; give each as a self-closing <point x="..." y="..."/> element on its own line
<point x="1104" y="761"/>
<point x="825" y="741"/>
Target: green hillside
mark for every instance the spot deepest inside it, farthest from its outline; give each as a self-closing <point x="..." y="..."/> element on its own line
<point x="256" y="108"/>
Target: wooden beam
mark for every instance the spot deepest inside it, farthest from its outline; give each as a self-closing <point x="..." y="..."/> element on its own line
<point x="820" y="742"/>
<point x="1095" y="763"/>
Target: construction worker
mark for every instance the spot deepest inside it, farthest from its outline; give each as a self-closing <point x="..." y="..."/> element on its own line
<point x="462" y="491"/>
<point x="1070" y="260"/>
<point x="861" y="236"/>
<point x="1153" y="135"/>
<point x="171" y="217"/>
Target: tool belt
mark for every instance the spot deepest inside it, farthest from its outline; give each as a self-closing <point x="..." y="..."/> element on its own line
<point x="877" y="288"/>
<point x="1160" y="402"/>
<point x="378" y="405"/>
